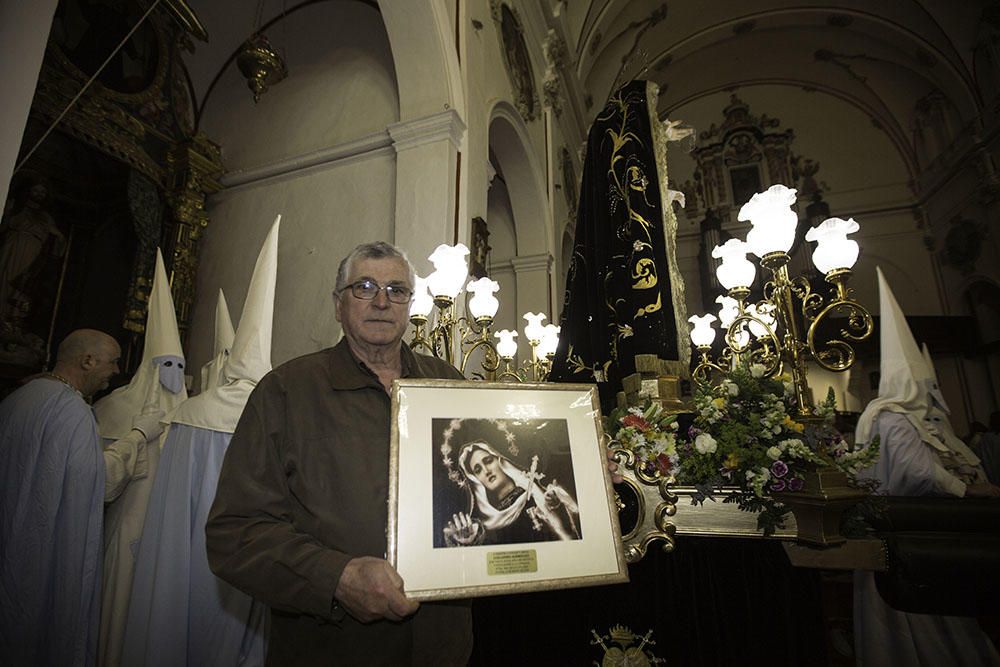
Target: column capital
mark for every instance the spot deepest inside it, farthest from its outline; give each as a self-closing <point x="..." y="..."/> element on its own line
<point x="540" y="262"/>
<point x="446" y="124"/>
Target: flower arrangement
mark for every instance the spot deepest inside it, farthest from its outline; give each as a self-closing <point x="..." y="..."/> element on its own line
<point x="743" y="435"/>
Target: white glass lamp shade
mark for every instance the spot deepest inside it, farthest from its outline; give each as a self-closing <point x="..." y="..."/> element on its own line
<point x="764" y="313"/>
<point x="451" y="268"/>
<point x="736" y="270"/>
<point x="550" y="340"/>
<point x="422" y="303"/>
<point x="774" y="222"/>
<point x="833" y="249"/>
<point x="702" y="333"/>
<point x="507" y="347"/>
<point x="534" y="329"/>
<point x="483" y="303"/>
<point x="729" y="309"/>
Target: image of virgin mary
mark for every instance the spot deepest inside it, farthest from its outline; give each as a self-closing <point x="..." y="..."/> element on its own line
<point x="509" y="504"/>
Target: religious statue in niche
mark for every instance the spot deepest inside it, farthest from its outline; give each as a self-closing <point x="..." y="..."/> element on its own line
<point x="30" y="241"/>
<point x="804" y="172"/>
<point x="480" y="249"/>
<point x="516" y="59"/>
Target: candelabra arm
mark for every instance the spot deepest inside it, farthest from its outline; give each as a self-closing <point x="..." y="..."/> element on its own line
<point x="419" y="341"/>
<point x="837" y="354"/>
<point x="782" y="297"/>
<point x="702" y="372"/>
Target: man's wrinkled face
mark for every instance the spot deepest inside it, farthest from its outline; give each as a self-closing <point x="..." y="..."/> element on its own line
<point x="376" y="322"/>
<point x="171" y="369"/>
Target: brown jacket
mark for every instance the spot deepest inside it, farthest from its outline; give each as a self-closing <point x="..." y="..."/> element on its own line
<point x="302" y="491"/>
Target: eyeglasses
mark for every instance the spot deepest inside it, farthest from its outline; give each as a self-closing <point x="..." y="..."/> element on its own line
<point x="367" y="289"/>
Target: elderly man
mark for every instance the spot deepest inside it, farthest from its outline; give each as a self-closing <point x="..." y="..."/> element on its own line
<point x="299" y="518"/>
<point x="54" y="481"/>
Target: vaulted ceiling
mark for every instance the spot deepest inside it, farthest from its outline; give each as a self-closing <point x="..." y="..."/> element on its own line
<point x="880" y="56"/>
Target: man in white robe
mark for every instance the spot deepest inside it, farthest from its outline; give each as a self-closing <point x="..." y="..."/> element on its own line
<point x="54" y="480"/>
<point x="159" y="380"/>
<point x="180" y="613"/>
<point x="916" y="458"/>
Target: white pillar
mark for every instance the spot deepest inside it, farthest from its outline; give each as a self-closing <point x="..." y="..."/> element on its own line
<point x="426" y="183"/>
<point x="24" y="32"/>
<point x="533" y="274"/>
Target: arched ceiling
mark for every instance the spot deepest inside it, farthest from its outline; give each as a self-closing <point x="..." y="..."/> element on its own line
<point x="879" y="56"/>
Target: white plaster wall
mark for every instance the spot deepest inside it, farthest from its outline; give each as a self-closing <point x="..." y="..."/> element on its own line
<point x="315" y="149"/>
<point x="325" y="213"/>
<point x="503" y="241"/>
<point x="24" y="30"/>
<point x="341" y="85"/>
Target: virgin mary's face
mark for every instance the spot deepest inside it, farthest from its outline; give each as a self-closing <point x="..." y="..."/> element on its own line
<point x="486" y="468"/>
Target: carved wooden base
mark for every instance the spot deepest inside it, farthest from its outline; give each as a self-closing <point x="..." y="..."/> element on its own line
<point x="819" y="506"/>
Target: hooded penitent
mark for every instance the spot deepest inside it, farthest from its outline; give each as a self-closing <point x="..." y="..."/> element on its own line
<point x="162" y="362"/>
<point x="907" y="384"/>
<point x="180" y="613"/>
<point x="922" y="461"/>
<point x="211" y="373"/>
<point x="220" y="407"/>
<point x="938" y="422"/>
<point x="157" y="385"/>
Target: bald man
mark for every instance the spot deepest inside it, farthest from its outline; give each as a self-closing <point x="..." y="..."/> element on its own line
<point x="54" y="481"/>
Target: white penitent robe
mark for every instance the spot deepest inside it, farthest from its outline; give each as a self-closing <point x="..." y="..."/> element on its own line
<point x="181" y="613"/>
<point x="123" y="519"/>
<point x="51" y="499"/>
<point x="882" y="635"/>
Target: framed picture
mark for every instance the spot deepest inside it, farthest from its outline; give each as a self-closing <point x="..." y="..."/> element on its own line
<point x="499" y="488"/>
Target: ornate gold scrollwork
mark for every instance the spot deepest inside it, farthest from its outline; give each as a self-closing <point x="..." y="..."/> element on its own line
<point x="650" y="491"/>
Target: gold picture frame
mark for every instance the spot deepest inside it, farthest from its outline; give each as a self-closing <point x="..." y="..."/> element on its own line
<point x="499" y="488"/>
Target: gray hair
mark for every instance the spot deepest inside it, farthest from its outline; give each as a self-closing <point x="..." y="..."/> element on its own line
<point x="374" y="250"/>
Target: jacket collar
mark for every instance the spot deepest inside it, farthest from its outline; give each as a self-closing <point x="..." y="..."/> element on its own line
<point x="347" y="372"/>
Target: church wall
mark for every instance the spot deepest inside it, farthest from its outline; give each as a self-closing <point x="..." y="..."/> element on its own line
<point x="24" y="30"/>
<point x="523" y="147"/>
<point x="341" y="86"/>
<point x="325" y="213"/>
<point x="316" y="149"/>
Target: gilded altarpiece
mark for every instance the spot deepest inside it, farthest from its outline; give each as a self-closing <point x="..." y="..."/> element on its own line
<point x="129" y="136"/>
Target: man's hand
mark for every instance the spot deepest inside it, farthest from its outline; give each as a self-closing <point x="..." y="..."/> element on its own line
<point x="982" y="490"/>
<point x="370" y="589"/>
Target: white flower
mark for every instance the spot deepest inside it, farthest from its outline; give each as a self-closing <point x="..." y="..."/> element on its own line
<point x="731" y="387"/>
<point x="774" y="453"/>
<point x="750" y="475"/>
<point x="705" y="444"/>
<point x="757" y="370"/>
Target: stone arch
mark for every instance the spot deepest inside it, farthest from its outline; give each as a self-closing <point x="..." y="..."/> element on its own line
<point x="508" y="139"/>
<point x="532" y="265"/>
<point x="427" y="69"/>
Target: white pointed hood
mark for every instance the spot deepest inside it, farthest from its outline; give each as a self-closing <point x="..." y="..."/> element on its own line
<point x="937" y="420"/>
<point x="161" y="352"/>
<point x="905" y="377"/>
<point x="211" y="373"/>
<point x="220" y="407"/>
